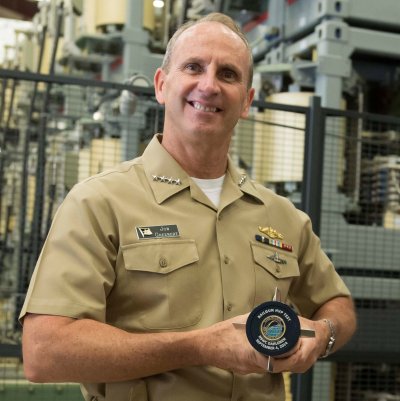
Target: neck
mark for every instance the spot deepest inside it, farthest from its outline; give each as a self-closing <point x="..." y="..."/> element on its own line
<point x="201" y="159"/>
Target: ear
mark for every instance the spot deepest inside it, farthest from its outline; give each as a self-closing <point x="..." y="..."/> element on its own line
<point x="159" y="80"/>
<point x="249" y="99"/>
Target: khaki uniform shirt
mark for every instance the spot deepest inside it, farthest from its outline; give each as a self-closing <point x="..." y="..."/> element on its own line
<point x="142" y="248"/>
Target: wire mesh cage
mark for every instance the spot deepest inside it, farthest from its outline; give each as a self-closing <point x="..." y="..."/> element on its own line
<point x="53" y="135"/>
<point x="55" y="132"/>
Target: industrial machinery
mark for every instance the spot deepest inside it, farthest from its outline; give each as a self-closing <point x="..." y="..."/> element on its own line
<point x="56" y="129"/>
<point x="346" y="52"/>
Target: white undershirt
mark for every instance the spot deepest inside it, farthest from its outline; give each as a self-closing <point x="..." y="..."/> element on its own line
<point x="211" y="187"/>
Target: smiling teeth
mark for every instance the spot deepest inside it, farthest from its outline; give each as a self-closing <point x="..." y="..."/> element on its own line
<point x="199" y="106"/>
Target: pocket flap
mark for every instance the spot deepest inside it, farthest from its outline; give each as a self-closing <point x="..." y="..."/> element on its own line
<point x="161" y="256"/>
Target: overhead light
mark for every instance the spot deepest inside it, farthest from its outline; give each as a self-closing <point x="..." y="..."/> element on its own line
<point x="98" y="116"/>
<point x="158" y="3"/>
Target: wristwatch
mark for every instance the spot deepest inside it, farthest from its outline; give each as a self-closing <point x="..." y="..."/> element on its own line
<point x="332" y="339"/>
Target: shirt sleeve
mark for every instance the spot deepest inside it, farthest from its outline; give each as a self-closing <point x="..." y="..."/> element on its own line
<point x="75" y="270"/>
<point x="318" y="281"/>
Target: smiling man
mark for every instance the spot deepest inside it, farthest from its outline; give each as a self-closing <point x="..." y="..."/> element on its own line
<point x="150" y="269"/>
<point x="206" y="87"/>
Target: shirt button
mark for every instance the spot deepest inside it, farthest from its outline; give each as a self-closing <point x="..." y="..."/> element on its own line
<point x="226" y="260"/>
<point x="229" y="307"/>
<point x="163" y="262"/>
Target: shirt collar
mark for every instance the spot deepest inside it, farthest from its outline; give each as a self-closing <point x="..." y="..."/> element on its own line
<point x="166" y="177"/>
<point x="242" y="181"/>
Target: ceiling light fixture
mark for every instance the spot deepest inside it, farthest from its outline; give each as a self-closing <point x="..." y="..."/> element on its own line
<point x="158" y="3"/>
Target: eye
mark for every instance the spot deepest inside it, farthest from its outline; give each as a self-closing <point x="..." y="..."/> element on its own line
<point x="229" y="75"/>
<point x="193" y="67"/>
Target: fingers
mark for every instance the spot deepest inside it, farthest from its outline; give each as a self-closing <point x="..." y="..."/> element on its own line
<point x="241" y="357"/>
<point x="270" y="366"/>
<point x="299" y="361"/>
<point x="240" y="320"/>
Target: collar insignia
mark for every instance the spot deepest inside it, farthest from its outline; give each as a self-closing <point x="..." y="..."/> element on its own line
<point x="243" y="179"/>
<point x="167" y="180"/>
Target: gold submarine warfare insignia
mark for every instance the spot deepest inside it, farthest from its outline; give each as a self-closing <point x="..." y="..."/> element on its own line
<point x="270" y="232"/>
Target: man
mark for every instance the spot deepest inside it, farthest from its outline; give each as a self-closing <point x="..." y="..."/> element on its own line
<point x="148" y="266"/>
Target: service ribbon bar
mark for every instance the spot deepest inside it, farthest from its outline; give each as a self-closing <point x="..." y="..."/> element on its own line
<point x="274" y="242"/>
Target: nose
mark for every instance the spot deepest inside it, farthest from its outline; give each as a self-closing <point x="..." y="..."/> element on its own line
<point x="208" y="83"/>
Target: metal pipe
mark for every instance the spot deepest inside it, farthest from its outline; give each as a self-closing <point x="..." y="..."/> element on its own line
<point x="2" y="144"/>
<point x="36" y="239"/>
<point x="2" y="165"/>
<point x="313" y="163"/>
<point x="22" y="279"/>
<point x="3" y="99"/>
<point x="311" y="199"/>
<point x="70" y="80"/>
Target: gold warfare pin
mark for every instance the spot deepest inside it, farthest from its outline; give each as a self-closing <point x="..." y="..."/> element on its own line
<point x="270" y="232"/>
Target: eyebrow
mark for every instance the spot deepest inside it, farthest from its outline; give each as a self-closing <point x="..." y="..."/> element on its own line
<point x="190" y="60"/>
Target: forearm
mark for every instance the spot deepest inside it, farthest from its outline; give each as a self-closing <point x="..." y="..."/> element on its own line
<point x="89" y="351"/>
<point x="59" y="349"/>
<point x="340" y="311"/>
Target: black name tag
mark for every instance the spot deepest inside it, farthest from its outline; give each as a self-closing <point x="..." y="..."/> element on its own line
<point x="149" y="232"/>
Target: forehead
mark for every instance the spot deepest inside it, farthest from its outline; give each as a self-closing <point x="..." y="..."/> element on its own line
<point x="212" y="37"/>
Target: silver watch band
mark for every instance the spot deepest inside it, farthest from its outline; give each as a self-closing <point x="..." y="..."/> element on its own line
<point x="332" y="338"/>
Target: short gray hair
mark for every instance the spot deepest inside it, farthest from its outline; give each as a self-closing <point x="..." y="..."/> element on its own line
<point x="213" y="17"/>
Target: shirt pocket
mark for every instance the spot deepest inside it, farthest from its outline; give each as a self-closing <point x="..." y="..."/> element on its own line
<point x="164" y="279"/>
<point x="274" y="268"/>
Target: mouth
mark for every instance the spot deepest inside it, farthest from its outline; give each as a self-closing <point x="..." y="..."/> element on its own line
<point x="202" y="107"/>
